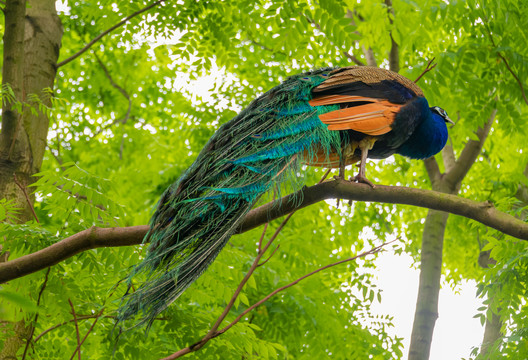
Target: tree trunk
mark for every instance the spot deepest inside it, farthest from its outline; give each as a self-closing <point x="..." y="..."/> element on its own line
<point x="493" y="327"/>
<point x="492" y="332"/>
<point x="31" y="49"/>
<point x="12" y="143"/>
<point x="429" y="285"/>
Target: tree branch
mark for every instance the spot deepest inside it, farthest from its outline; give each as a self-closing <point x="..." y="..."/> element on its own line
<point x="32" y="331"/>
<point x="483" y="212"/>
<point x="448" y="156"/>
<point x="354" y="59"/>
<point x="428" y="68"/>
<point x="432" y="168"/>
<point x="203" y="341"/>
<point x="76" y="327"/>
<point x="112" y="82"/>
<point x="118" y="88"/>
<point x="98" y="37"/>
<point x="23" y="189"/>
<point x="499" y="54"/>
<point x="470" y="153"/>
<point x="78" y="348"/>
<point x="369" y="55"/>
<point x="394" y="54"/>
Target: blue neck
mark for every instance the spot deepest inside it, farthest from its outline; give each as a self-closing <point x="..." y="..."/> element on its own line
<point x="428" y="139"/>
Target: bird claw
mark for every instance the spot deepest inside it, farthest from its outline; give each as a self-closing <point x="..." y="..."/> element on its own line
<point x="362" y="179"/>
<point x="358" y="178"/>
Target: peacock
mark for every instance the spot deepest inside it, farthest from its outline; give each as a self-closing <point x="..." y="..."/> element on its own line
<point x="330" y="117"/>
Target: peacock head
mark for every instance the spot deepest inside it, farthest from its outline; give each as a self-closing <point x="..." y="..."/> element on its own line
<point x="437" y="110"/>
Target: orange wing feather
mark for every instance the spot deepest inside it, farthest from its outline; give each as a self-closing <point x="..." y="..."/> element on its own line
<point x="337" y="99"/>
<point x="374" y="118"/>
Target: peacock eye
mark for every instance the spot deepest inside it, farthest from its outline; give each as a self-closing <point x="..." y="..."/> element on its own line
<point x="440" y="111"/>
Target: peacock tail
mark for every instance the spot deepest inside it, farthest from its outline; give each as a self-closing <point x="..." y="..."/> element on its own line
<point x="327" y="117"/>
<point x="254" y="152"/>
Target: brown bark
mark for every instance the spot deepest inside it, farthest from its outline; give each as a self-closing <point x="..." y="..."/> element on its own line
<point x="492" y="332"/>
<point x="494" y="322"/>
<point x="394" y="54"/>
<point x="493" y="326"/>
<point x="110" y="237"/>
<point x="31" y="47"/>
<point x="12" y="143"/>
<point x="429" y="285"/>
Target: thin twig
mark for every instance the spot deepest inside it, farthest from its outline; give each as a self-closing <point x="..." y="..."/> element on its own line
<point x="34" y="324"/>
<point x="267" y="297"/>
<point x="112" y="82"/>
<point x="325" y="175"/>
<point x="78" y="348"/>
<point x="79" y="317"/>
<point x="121" y="91"/>
<point x="202" y="342"/>
<point x="250" y="272"/>
<point x="98" y="37"/>
<point x="76" y="327"/>
<point x="428" y="68"/>
<point x="262" y="237"/>
<point x="27" y="197"/>
<point x="499" y="54"/>
<point x="514" y="75"/>
<point x="269" y="257"/>
<point x="354" y="58"/>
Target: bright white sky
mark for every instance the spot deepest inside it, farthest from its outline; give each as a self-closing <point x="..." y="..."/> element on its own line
<point x="456" y="331"/>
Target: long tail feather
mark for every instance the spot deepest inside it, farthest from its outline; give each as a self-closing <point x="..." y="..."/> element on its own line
<point x="264" y="145"/>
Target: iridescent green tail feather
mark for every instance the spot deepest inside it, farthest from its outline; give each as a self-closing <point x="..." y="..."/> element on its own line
<point x="261" y="147"/>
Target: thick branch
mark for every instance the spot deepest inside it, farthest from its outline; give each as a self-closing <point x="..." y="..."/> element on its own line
<point x="94" y="237"/>
<point x="448" y="155"/>
<point x="85" y="240"/>
<point x="394" y="54"/>
<point x="432" y="168"/>
<point x="98" y="37"/>
<point x="369" y="55"/>
<point x="470" y="153"/>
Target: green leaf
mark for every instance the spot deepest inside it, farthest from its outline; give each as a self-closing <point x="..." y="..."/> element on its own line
<point x="23" y="302"/>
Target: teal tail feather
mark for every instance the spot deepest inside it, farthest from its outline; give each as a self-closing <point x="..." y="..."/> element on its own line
<point x="261" y="147"/>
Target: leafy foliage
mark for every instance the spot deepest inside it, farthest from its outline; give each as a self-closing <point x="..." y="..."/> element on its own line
<point x="112" y="152"/>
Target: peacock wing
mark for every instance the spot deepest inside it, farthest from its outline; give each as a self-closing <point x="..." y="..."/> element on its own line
<point x="369" y="99"/>
<point x="371" y="117"/>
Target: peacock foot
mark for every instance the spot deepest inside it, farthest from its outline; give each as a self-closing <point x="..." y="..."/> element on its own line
<point x="359" y="178"/>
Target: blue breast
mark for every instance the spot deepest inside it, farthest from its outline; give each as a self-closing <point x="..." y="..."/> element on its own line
<point x="428" y="138"/>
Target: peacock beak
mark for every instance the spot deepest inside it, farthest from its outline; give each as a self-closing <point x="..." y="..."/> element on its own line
<point x="448" y="120"/>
